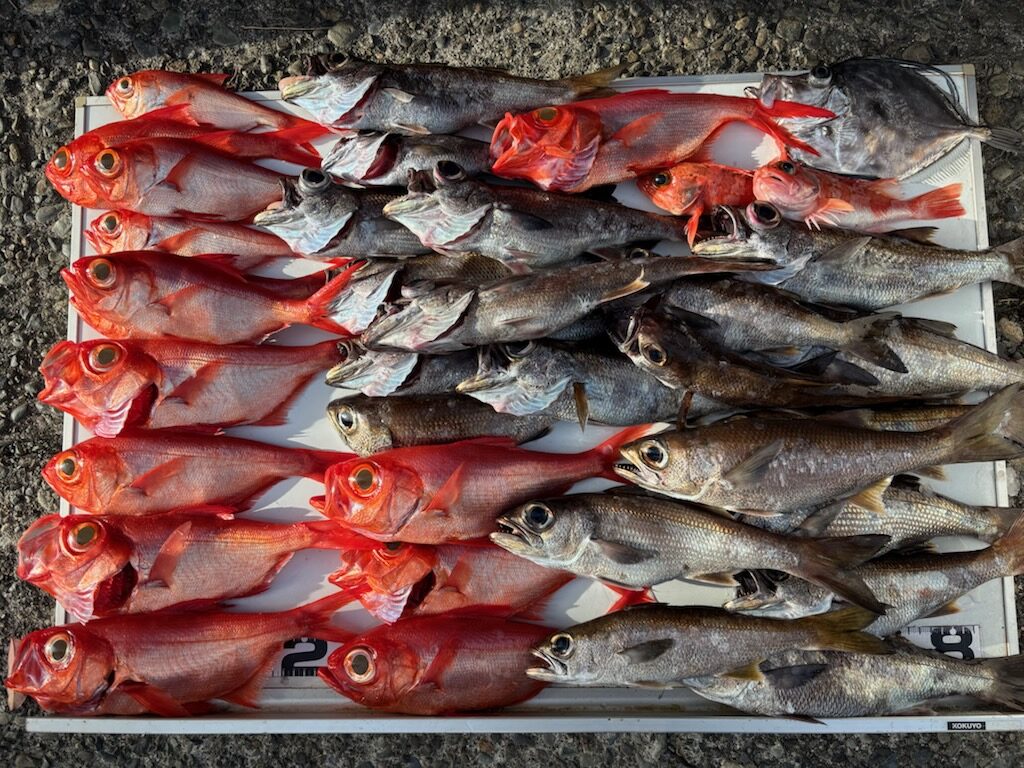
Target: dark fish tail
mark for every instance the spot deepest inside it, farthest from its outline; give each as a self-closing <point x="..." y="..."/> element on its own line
<point x="592" y="83"/>
<point x="830" y="562"/>
<point x="1006" y="139"/>
<point x="1010" y="548"/>
<point x="841" y="631"/>
<point x="1014" y="253"/>
<point x="992" y="431"/>
<point x="1007" y="681"/>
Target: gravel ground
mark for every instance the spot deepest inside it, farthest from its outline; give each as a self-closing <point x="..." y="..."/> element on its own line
<point x="54" y="51"/>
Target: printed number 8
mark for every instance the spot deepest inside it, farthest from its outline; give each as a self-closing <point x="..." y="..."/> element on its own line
<point x="958" y="642"/>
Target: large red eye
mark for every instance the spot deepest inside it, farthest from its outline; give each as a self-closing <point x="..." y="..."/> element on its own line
<point x="58" y="649"/>
<point x="546" y="115"/>
<point x="360" y="665"/>
<point x="124" y="86"/>
<point x="101" y="273"/>
<point x="111" y="224"/>
<point x="104" y="357"/>
<point x="68" y="466"/>
<point x="81" y="537"/>
<point x="108" y="163"/>
<point x="364" y="480"/>
<point x="61" y="160"/>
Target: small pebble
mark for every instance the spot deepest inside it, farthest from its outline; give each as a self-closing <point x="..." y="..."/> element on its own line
<point x="224" y="36"/>
<point x="918" y="52"/>
<point x="95" y="84"/>
<point x="1011" y="330"/>
<point x="171" y="22"/>
<point x="341" y="34"/>
<point x="790" y="29"/>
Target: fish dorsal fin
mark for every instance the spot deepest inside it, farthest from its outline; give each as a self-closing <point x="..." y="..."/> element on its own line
<point x="579" y="396"/>
<point x="648" y="651"/>
<point x="751" y="470"/>
<point x="170" y="553"/>
<point x="847" y="249"/>
<point x="632" y="132"/>
<point x="751" y="671"/>
<point x="620" y="552"/>
<point x="448" y="494"/>
<point x="217" y="78"/>
<point x="871" y="497"/>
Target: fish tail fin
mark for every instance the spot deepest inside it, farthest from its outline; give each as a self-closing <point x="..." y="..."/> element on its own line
<point x="1010" y="548"/>
<point x="305" y="129"/>
<point x="608" y="451"/>
<point x="317" y="462"/>
<point x="1007" y="686"/>
<point x="252" y="145"/>
<point x="988" y="432"/>
<point x="585" y="85"/>
<point x="329" y="308"/>
<point x="1006" y="139"/>
<point x="315" y="618"/>
<point x="999" y="521"/>
<point x="301" y="136"/>
<point x="329" y="535"/>
<point x="829" y="562"/>
<point x="628" y="597"/>
<point x="868" y="341"/>
<point x="941" y="203"/>
<point x="1014" y="253"/>
<point x="842" y="631"/>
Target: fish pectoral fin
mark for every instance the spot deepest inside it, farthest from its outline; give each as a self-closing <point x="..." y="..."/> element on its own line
<point x="695" y="320"/>
<point x="154" y="699"/>
<point x="631" y="133"/>
<point x="196" y="383"/>
<point x="634" y="286"/>
<point x="521" y="219"/>
<point x="871" y="497"/>
<point x="171" y="300"/>
<point x="248" y="693"/>
<point x="935" y="473"/>
<point x="448" y="494"/>
<point x="412" y="128"/>
<point x="845" y="250"/>
<point x="579" y="396"/>
<point x="170" y="553"/>
<point x="751" y="671"/>
<point x="175" y="178"/>
<point x="945" y="609"/>
<point x="151" y="480"/>
<point x="398" y="95"/>
<point x="431" y="676"/>
<point x="752" y="469"/>
<point x="620" y="552"/>
<point x="648" y="651"/>
<point x="788" y="678"/>
<point x="717" y="579"/>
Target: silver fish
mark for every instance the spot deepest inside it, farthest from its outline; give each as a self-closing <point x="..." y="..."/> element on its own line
<point x="379" y="373"/>
<point x="424" y="98"/>
<point x="843" y="268"/>
<point x="525" y="228"/>
<point x="825" y="684"/>
<point x="890" y="120"/>
<point x="661" y="646"/>
<point x="524" y="307"/>
<point x="385" y="159"/>
<point x="911" y="586"/>
<point x="771" y="465"/>
<point x="369" y="425"/>
<point x="323" y="220"/>
<point x="638" y="541"/>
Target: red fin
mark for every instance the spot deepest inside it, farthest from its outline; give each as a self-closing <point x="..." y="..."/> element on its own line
<point x="196" y="383"/>
<point x="153" y="699"/>
<point x="320" y="308"/>
<point x="693" y="224"/>
<point x="177" y="176"/>
<point x="279" y="415"/>
<point x="448" y="494"/>
<point x="320" y="461"/>
<point x="314" y="619"/>
<point x="534" y="611"/>
<point x="609" y="449"/>
<point x="222" y="261"/>
<point x="628" y="597"/>
<point x="330" y="535"/>
<point x="318" y="503"/>
<point x="179" y="113"/>
<point x="170" y="553"/>
<point x="145" y="483"/>
<point x="187" y="293"/>
<point x="445" y="656"/>
<point x="259" y="145"/>
<point x="791" y="109"/>
<point x="764" y="119"/>
<point x="632" y="132"/>
<point x="248" y="693"/>
<point x="942" y="203"/>
<point x="217" y="78"/>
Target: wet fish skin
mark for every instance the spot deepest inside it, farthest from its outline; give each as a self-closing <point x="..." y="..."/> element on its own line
<point x="639" y="541"/>
<point x="661" y="646"/>
<point x="371" y="159"/>
<point x="826" y="684"/>
<point x="779" y="466"/>
<point x="369" y="425"/>
<point x="378" y="373"/>
<point x="864" y="272"/>
<point x="891" y="120"/>
<point x="899" y="418"/>
<point x="441" y="269"/>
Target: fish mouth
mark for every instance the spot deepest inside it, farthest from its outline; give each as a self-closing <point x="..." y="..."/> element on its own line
<point x="515" y="538"/>
<point x="732" y="244"/>
<point x="767" y="92"/>
<point x="296" y="86"/>
<point x="754" y="591"/>
<point x="331" y="97"/>
<point x="555" y="671"/>
<point x="361" y="157"/>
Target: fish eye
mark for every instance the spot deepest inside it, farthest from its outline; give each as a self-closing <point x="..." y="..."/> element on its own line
<point x="100" y="273"/>
<point x="364" y="480"/>
<point x="345" y="417"/>
<point x="450" y="171"/>
<point x="67" y="467"/>
<point x="653" y="455"/>
<point x="81" y="536"/>
<point x="660" y="179"/>
<point x="124" y="86"/>
<point x="345" y="350"/>
<point x="103" y="357"/>
<point x="359" y="665"/>
<point x="58" y="648"/>
<point x="654" y="353"/>
<point x="821" y="72"/>
<point x="110" y="223"/>
<point x="518" y="349"/>
<point x="539" y="516"/>
<point x="313" y="180"/>
<point x="765" y="213"/>
<point x="108" y="162"/>
<point x="393" y="546"/>
<point x="562" y="645"/>
<point x="786" y="167"/>
<point x="61" y="159"/>
<point x="546" y="114"/>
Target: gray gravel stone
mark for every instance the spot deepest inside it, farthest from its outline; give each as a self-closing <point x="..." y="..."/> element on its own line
<point x="790" y="29"/>
<point x="225" y="36"/>
<point x="341" y="34"/>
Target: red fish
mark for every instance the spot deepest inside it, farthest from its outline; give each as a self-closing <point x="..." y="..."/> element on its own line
<point x="99" y="566"/>
<point x="600" y="141"/>
<point x="143" y="473"/>
<point x="432" y="494"/>
<point x="209" y="101"/>
<point x="173" y="177"/>
<point x="153" y="295"/>
<point x="696" y="188"/>
<point x="244" y="248"/>
<point x="821" y="198"/>
<point x="172" y="663"/>
<point x="176" y="122"/>
<point x="435" y="665"/>
<point x="159" y="384"/>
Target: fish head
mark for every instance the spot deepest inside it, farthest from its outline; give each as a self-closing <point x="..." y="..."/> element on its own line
<point x="666" y="463"/>
<point x="137" y="93"/>
<point x="64" y="169"/>
<point x="373" y="372"/>
<point x="82" y="560"/>
<point x="121" y="230"/>
<point x="777" y="595"/>
<point x="373" y="496"/>
<point x="334" y="90"/>
<point x="554" y="147"/>
<point x="519" y="377"/>
<point x="362" y="428"/>
<point x="787" y="185"/>
<point x="117" y="175"/>
<point x="580" y="655"/>
<point x="378" y="669"/>
<point x="311" y="213"/>
<point x="423" y="320"/>
<point x="101" y="286"/>
<point x="106" y="385"/>
<point x="362" y="157"/>
<point x="386" y="575"/>
<point x="443" y="205"/>
<point x="65" y="666"/>
<point x="550" y="533"/>
<point x="758" y="232"/>
<point x="675" y="189"/>
<point x="87" y="474"/>
<point x="814" y="88"/>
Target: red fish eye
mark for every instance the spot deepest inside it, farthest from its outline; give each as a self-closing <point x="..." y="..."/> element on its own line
<point x="546" y="115"/>
<point x="660" y="179"/>
<point x="61" y="159"/>
<point x="58" y="649"/>
<point x="100" y="273"/>
<point x="68" y="466"/>
<point x="786" y="167"/>
<point x="103" y="357"/>
<point x="108" y="163"/>
<point x="364" y="480"/>
<point x="79" y="538"/>
<point x="360" y="665"/>
<point x="124" y="85"/>
<point x="110" y="223"/>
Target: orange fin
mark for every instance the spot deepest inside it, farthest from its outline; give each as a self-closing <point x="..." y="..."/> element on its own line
<point x="693" y="224"/>
<point x="170" y="553"/>
<point x="318" y="503"/>
<point x="178" y="175"/>
<point x="888" y="187"/>
<point x="628" y="597"/>
<point x="248" y="693"/>
<point x="153" y="699"/>
<point x="632" y="132"/>
<point x="432" y="675"/>
<point x="942" y="203"/>
<point x="448" y="494"/>
<point x="179" y="113"/>
<point x="196" y="383"/>
<point x="826" y="213"/>
<point x="148" y="481"/>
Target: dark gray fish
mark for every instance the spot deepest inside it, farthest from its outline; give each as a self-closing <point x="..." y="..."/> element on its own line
<point x="432" y="269"/>
<point x="525" y="228"/>
<point x="818" y="684"/>
<point x="324" y="220"/>
<point x="385" y="159"/>
<point x="891" y="120"/>
<point x="425" y="98"/>
<point x="377" y="373"/>
<point x="843" y="268"/>
<point x="369" y="425"/>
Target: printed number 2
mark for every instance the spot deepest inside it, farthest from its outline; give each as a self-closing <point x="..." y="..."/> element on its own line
<point x="290" y="660"/>
<point x="958" y="641"/>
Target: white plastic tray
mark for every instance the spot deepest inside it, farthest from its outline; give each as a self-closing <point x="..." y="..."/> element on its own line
<point x="298" y="702"/>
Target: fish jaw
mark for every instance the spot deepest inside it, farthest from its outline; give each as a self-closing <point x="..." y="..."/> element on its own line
<point x="555" y="671"/>
<point x="423" y="321"/>
<point x="376" y="374"/>
<point x="329" y="97"/>
<point x="356" y="158"/>
<point x="302" y="230"/>
<point x="508" y="386"/>
<point x="434" y="223"/>
<point x="632" y="469"/>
